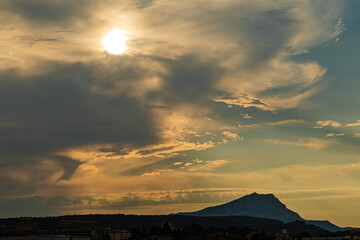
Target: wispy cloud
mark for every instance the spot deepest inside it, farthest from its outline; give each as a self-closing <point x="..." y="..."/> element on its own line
<point x="355" y="124"/>
<point x="246" y="101"/>
<point x="335" y="134"/>
<point x="289" y="122"/>
<point x="208" y="165"/>
<point x="313" y="143"/>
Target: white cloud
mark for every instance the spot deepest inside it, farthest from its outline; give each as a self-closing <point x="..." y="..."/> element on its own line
<point x="233" y="136"/>
<point x="178" y="163"/>
<point x="318" y="22"/>
<point x="339" y="27"/>
<point x="327" y="123"/>
<point x="246" y="116"/>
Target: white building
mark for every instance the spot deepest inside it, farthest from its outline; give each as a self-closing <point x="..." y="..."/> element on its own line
<point x="119" y="234"/>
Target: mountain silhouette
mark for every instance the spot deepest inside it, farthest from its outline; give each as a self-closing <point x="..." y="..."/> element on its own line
<point x="263" y="206"/>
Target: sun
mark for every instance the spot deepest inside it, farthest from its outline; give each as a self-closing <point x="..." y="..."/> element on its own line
<point x="115" y="42"/>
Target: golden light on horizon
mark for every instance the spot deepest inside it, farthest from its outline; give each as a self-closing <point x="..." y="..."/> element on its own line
<point x="115" y="42"/>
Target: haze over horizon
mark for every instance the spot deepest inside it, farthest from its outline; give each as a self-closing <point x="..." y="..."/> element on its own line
<point x="164" y="106"/>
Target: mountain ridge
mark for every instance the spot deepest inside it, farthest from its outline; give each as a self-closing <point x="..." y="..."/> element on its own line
<point x="128" y="222"/>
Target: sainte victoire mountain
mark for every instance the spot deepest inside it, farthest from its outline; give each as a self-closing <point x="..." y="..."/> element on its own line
<point x="260" y="205"/>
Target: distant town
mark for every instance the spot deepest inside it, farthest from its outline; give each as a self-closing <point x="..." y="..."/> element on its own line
<point x="118" y="227"/>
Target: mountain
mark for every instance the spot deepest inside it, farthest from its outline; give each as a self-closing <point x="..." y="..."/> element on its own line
<point x="263" y="206"/>
<point x="255" y="205"/>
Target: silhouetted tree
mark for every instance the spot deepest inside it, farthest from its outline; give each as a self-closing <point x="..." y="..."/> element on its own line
<point x="196" y="228"/>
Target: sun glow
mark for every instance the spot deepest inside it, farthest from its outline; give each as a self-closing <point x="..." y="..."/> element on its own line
<point x="115" y="42"/>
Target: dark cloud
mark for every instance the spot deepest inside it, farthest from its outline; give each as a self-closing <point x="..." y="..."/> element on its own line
<point x="32" y="206"/>
<point x="46" y="11"/>
<point x="141" y="4"/>
<point x="110" y="101"/>
<point x="190" y="79"/>
<point x="71" y="105"/>
<point x="115" y="150"/>
<point x="27" y="175"/>
<point x="36" y="38"/>
<point x="69" y="165"/>
<point x="80" y="104"/>
<point x="58" y="110"/>
<point x="267" y="33"/>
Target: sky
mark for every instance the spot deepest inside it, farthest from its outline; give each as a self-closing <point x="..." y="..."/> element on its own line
<point x="210" y="101"/>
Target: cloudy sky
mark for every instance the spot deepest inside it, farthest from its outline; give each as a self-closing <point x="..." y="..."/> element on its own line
<point x="210" y="101"/>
